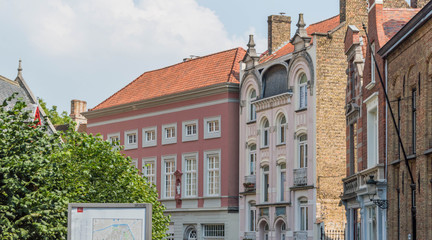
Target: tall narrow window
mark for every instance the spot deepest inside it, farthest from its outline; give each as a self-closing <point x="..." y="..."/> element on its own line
<point x="213" y="174"/>
<point x="169" y="184"/>
<point x="304" y="212"/>
<point x="302" y="91"/>
<point x="281" y="181"/>
<point x="372" y="137"/>
<point x="252" y="159"/>
<point x="265" y="133"/>
<point x="371" y="223"/>
<point x="252" y="111"/>
<point x="351" y="149"/>
<point x="252" y="214"/>
<point x="190" y="175"/>
<point x="265" y="183"/>
<point x="281" y="129"/>
<point x="302" y="150"/>
<point x="414" y="121"/>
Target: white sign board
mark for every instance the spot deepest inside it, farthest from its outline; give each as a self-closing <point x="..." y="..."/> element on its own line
<point x="109" y="221"/>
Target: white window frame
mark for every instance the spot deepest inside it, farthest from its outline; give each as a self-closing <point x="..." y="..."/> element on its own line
<point x="281" y="129"/>
<point x="217" y="233"/>
<point x="190" y="136"/>
<point x="251" y="108"/>
<point x="281" y="183"/>
<point x="165" y="160"/>
<point x="252" y="159"/>
<point x="128" y="145"/>
<point x="372" y="130"/>
<point x="372" y="68"/>
<point x="302" y="147"/>
<point x="302" y="92"/>
<point x="371" y="220"/>
<point x="251" y="217"/>
<point x="192" y="174"/>
<point x="152" y="177"/>
<point x="303" y="214"/>
<point x="265" y="137"/>
<point x="145" y="141"/>
<point x="207" y="129"/>
<point x="215" y="192"/>
<point x="113" y="135"/>
<point x="165" y="138"/>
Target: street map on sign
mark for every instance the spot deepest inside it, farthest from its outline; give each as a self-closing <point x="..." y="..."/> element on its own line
<point x="117" y="228"/>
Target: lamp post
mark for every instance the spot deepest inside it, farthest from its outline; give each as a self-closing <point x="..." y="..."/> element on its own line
<point x="372" y="190"/>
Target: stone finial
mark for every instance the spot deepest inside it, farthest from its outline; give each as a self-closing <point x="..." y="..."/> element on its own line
<point x="301" y="31"/>
<point x="19" y="69"/>
<point x="251" y="46"/>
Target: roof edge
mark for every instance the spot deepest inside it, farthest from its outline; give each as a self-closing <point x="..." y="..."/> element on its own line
<point x="166" y="99"/>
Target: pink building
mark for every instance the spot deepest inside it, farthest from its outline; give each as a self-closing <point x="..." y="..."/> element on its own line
<point x="179" y="124"/>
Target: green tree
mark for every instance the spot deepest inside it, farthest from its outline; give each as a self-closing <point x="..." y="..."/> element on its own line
<point x="53" y="115"/>
<point x="40" y="175"/>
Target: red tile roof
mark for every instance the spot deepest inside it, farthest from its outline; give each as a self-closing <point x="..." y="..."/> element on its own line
<point x="393" y="20"/>
<point x="319" y="27"/>
<point x="192" y="74"/>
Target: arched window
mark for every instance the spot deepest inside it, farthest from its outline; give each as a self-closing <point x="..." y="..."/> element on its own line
<point x="251" y="108"/>
<point x="265" y="183"/>
<point x="302" y="151"/>
<point x="264" y="231"/>
<point x="280" y="230"/>
<point x="251" y="159"/>
<point x="302" y="91"/>
<point x="303" y="214"/>
<point x="191" y="233"/>
<point x="281" y="128"/>
<point x="265" y="133"/>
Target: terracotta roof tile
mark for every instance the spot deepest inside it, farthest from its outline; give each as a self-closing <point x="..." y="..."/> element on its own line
<point x="319" y="27"/>
<point x="393" y="20"/>
<point x="192" y="74"/>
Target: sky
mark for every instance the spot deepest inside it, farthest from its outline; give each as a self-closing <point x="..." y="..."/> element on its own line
<point x="90" y="49"/>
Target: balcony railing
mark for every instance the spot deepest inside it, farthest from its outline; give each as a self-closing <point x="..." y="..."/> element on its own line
<point x="249" y="183"/>
<point x="300" y="235"/>
<point x="300" y="177"/>
<point x="358" y="180"/>
<point x="249" y="235"/>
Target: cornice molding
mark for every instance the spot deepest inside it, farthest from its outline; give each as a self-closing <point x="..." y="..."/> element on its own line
<point x="167" y="99"/>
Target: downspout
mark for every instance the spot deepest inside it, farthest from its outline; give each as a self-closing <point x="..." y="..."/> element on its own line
<point x="386" y="151"/>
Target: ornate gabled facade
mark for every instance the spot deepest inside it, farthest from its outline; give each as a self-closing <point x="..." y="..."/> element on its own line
<point x="292" y="138"/>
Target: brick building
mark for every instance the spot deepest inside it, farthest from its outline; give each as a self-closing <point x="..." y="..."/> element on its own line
<point x="179" y="124"/>
<point x="366" y="120"/>
<point x="408" y="58"/>
<point x="292" y="129"/>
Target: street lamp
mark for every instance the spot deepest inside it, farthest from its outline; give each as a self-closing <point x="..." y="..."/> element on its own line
<point x="372" y="190"/>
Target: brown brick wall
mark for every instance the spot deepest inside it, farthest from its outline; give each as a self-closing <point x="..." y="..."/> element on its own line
<point x="409" y="60"/>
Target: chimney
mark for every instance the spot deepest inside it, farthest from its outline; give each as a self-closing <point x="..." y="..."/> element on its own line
<point x="354" y="12"/>
<point x="279" y="31"/>
<point x="77" y="107"/>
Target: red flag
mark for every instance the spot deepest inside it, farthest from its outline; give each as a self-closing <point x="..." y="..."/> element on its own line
<point x="37" y="117"/>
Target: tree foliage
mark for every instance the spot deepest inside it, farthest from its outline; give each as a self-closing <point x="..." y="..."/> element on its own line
<point x="40" y="175"/>
<point x="53" y="115"/>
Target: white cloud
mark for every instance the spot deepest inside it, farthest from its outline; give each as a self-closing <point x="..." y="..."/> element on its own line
<point x="95" y="27"/>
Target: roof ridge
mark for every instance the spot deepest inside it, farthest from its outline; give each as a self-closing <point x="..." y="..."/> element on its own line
<point x="160" y="69"/>
<point x="322" y="21"/>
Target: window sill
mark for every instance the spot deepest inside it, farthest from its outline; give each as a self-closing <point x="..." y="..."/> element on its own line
<point x="265" y="147"/>
<point x="429" y="151"/>
<point x="130" y="147"/>
<point x="280" y="144"/>
<point x="301" y="110"/>
<point x="411" y="156"/>
<point x="395" y="162"/>
<point x="250" y="122"/>
<point x="370" y="85"/>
